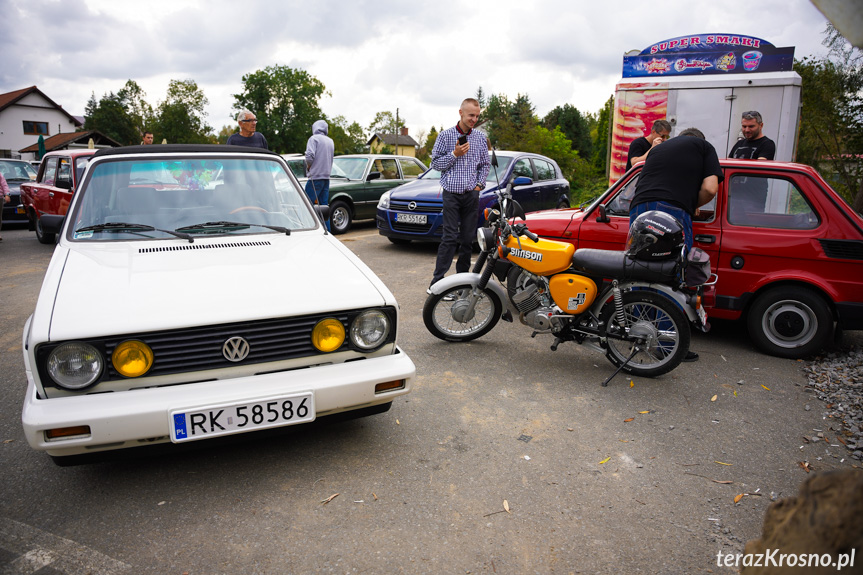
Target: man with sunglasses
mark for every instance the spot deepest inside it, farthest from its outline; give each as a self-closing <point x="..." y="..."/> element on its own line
<point x="754" y="145"/>
<point x="247" y="136"/>
<point x="639" y="147"/>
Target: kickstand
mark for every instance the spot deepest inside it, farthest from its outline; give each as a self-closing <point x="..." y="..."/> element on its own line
<point x="622" y="365"/>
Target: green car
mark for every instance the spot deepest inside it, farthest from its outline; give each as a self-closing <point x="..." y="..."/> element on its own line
<point x="358" y="181"/>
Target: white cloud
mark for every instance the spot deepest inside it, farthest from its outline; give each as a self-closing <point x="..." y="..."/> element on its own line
<point x="420" y="57"/>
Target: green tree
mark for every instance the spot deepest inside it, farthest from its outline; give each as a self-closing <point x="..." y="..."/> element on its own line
<point x="601" y="136"/>
<point x="574" y="125"/>
<point x="385" y="123"/>
<point x="180" y="117"/>
<point x="110" y="116"/>
<point x="132" y="96"/>
<point x="285" y="102"/>
<point x="347" y="139"/>
<point x="426" y="146"/>
<point x="831" y="127"/>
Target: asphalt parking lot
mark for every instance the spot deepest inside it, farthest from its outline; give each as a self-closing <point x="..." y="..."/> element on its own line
<point x="505" y="458"/>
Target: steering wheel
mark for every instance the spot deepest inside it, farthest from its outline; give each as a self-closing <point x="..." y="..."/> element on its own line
<point x="246" y="208"/>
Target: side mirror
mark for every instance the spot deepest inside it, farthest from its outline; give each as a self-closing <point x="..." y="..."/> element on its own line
<point x="51" y="223"/>
<point x="522" y="181"/>
<point x="64" y="184"/>
<point x="603" y="216"/>
<point x="373" y="176"/>
<point x="323" y="212"/>
<point x="514" y="209"/>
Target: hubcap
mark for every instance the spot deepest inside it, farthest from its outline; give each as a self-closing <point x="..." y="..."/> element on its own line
<point x="789" y="324"/>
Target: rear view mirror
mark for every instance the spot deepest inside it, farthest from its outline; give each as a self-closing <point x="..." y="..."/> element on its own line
<point x="63" y="184"/>
<point x="514" y="209"/>
<point x="522" y="181"/>
<point x="603" y="215"/>
<point x="51" y="223"/>
<point x="373" y="176"/>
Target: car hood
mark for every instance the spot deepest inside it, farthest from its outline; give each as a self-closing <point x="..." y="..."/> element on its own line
<point x="418" y="190"/>
<point x="553" y="223"/>
<point x="130" y="287"/>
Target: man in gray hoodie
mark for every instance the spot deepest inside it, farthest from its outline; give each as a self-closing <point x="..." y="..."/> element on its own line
<point x="319" y="165"/>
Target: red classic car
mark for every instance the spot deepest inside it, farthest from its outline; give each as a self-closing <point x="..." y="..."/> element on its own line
<point x="59" y="176"/>
<point x="790" y="263"/>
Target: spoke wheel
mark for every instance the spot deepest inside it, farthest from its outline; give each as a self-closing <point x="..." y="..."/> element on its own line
<point x="449" y="316"/>
<point x="656" y="326"/>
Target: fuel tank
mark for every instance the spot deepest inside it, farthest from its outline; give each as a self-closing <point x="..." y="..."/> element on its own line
<point x="543" y="258"/>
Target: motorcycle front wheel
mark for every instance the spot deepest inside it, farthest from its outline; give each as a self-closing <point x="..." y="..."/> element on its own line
<point x="448" y="315"/>
<point x="656" y="326"/>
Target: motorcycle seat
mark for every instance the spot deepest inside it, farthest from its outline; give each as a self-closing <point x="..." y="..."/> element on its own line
<point x="617" y="265"/>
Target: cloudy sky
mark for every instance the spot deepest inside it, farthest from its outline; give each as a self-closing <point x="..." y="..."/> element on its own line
<point x="422" y="57"/>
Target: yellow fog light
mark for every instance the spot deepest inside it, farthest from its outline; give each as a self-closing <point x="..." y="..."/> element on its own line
<point x="132" y="358"/>
<point x="328" y="335"/>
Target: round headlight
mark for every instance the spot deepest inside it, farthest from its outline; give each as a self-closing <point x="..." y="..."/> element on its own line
<point x="132" y="358"/>
<point x="485" y="238"/>
<point x="75" y="365"/>
<point x="370" y="329"/>
<point x="328" y="335"/>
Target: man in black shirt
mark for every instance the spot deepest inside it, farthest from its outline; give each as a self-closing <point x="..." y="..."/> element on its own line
<point x="754" y="145"/>
<point x="678" y="177"/>
<point x="749" y="195"/>
<point x="640" y="146"/>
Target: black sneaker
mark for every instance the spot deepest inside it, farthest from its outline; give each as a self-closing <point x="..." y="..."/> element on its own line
<point x="691" y="356"/>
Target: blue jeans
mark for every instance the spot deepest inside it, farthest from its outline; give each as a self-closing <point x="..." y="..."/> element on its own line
<point x="318" y="192"/>
<point x="682" y="216"/>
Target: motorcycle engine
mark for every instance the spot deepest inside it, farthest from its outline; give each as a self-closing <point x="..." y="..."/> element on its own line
<point x="532" y="298"/>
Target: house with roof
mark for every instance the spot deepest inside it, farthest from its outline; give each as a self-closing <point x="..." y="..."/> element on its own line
<point x="73" y="140"/>
<point x="402" y="143"/>
<point x="27" y="114"/>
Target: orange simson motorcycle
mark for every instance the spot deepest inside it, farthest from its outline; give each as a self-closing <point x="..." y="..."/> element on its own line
<point x="634" y="305"/>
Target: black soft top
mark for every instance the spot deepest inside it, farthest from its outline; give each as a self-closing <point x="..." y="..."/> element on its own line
<point x="182" y="149"/>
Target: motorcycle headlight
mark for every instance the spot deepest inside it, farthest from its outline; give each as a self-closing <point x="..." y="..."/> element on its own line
<point x="384" y="202"/>
<point x="75" y="365"/>
<point x="370" y="329"/>
<point x="485" y="238"/>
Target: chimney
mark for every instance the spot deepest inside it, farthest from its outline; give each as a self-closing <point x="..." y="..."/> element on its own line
<point x="404" y="131"/>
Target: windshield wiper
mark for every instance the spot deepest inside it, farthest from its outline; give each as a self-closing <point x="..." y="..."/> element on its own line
<point x="125" y="227"/>
<point x="215" y="226"/>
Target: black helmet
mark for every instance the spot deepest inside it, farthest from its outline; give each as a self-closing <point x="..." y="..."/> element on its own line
<point x="655" y="235"/>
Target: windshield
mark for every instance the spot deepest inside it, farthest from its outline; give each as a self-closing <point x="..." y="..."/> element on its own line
<point x="352" y="168"/>
<point x="171" y="195"/>
<point x="17" y="171"/>
<point x="502" y="163"/>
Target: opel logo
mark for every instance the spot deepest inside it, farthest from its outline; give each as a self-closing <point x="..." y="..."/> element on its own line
<point x="236" y="349"/>
<point x="412" y="206"/>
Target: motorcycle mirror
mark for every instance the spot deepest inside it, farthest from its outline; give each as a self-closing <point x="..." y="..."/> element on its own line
<point x="514" y="210"/>
<point x="493" y="158"/>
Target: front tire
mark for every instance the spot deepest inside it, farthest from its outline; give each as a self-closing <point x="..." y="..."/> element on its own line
<point x="661" y="328"/>
<point x="449" y="319"/>
<point x="42" y="236"/>
<point x="790" y="322"/>
<point x="340" y="217"/>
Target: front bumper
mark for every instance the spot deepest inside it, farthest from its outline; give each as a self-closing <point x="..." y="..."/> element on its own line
<point x="141" y="417"/>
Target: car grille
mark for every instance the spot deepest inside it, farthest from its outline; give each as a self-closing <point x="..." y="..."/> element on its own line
<point x="200" y="348"/>
<point x="843" y="249"/>
<point x="422" y="207"/>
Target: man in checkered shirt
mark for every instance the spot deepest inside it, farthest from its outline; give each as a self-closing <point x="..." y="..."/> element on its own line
<point x="463" y="171"/>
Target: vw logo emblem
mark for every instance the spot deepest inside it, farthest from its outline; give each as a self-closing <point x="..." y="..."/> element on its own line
<point x="235" y="349"/>
<point x="412" y="206"/>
